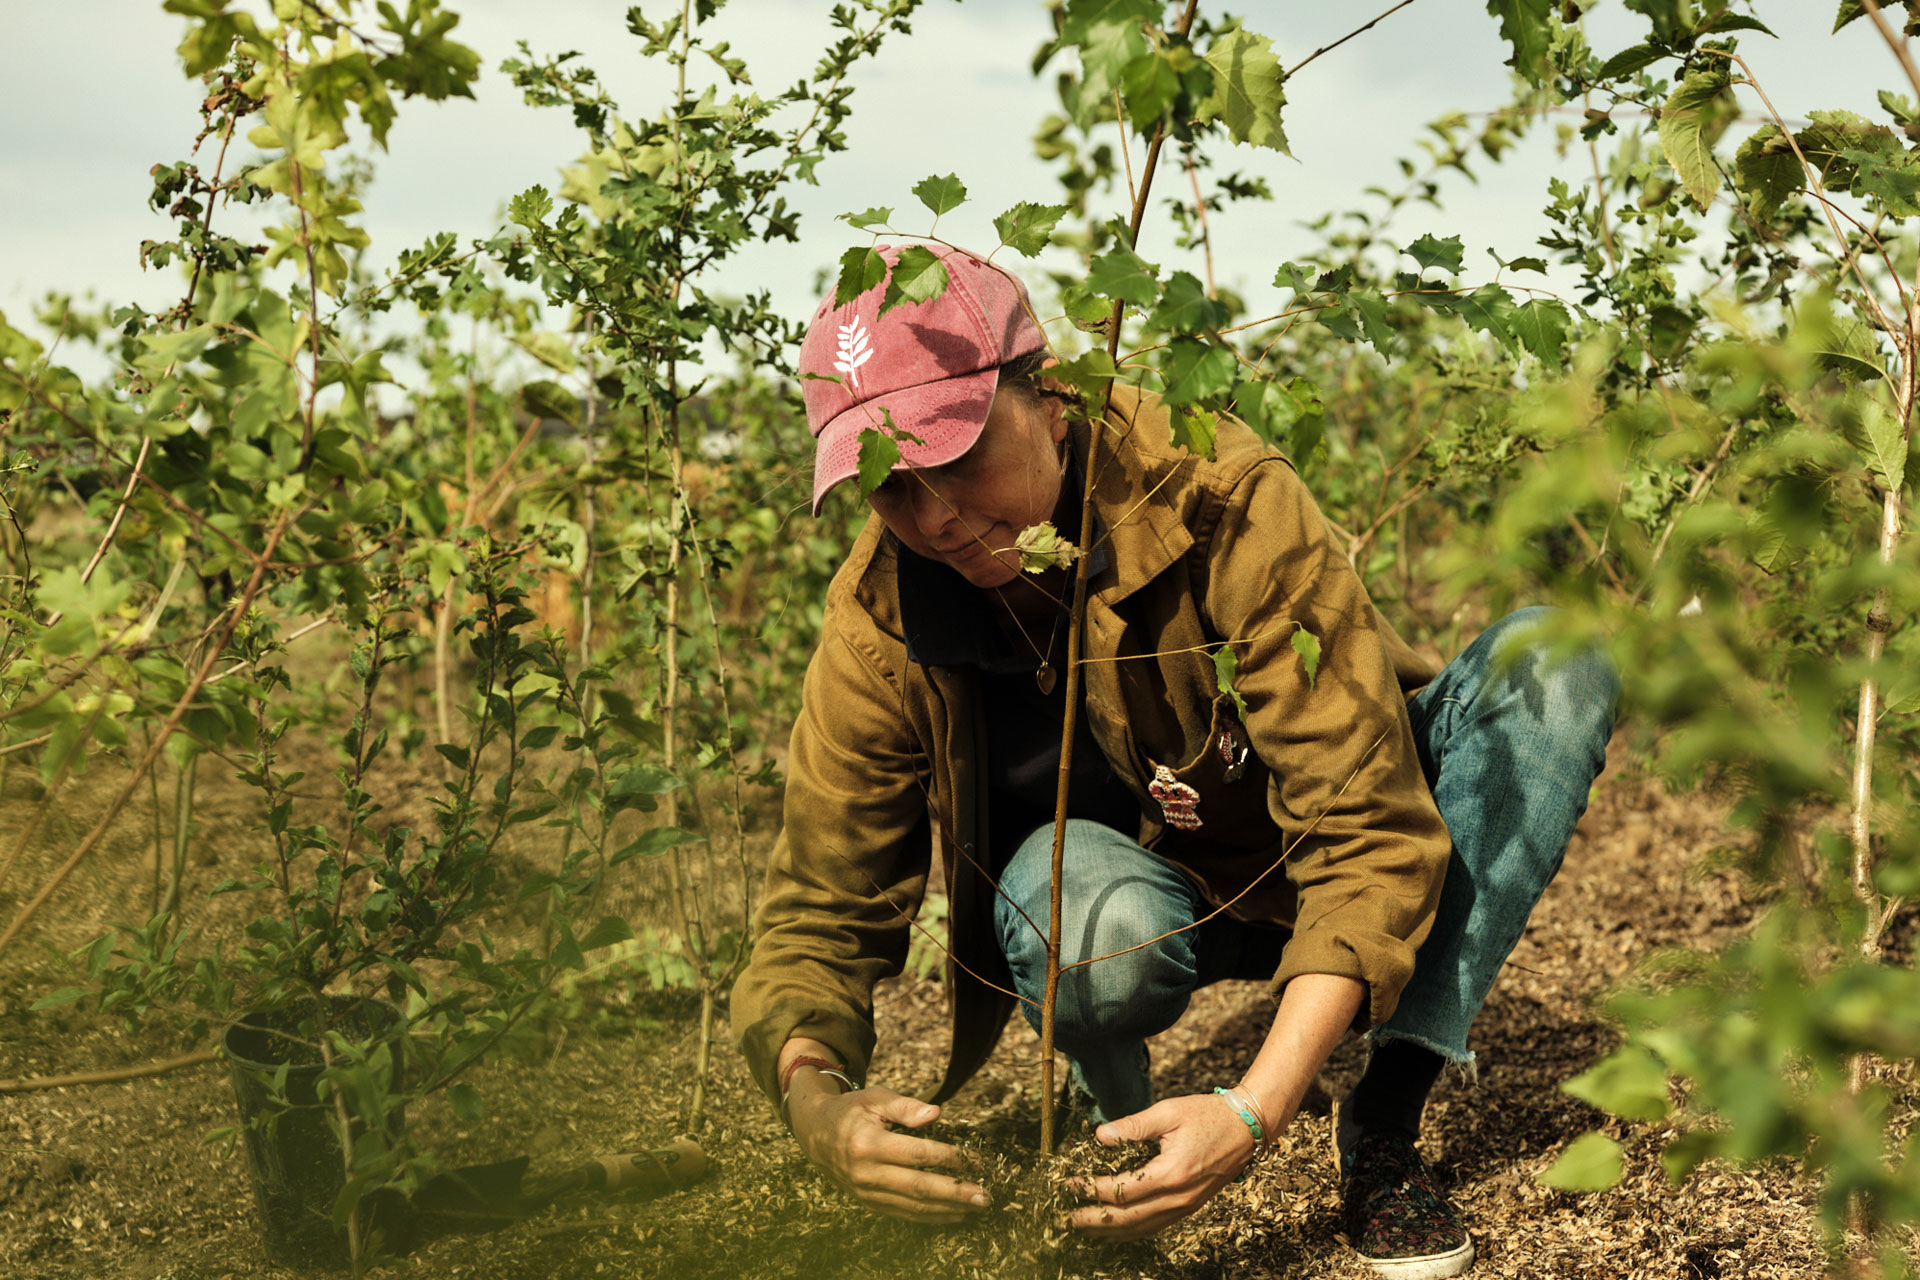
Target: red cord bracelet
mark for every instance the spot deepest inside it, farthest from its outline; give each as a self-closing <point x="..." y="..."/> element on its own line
<point x="807" y="1060"/>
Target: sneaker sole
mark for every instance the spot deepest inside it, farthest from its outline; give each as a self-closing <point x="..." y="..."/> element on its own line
<point x="1432" y="1266"/>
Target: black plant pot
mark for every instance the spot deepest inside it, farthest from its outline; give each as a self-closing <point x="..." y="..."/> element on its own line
<point x="294" y="1148"/>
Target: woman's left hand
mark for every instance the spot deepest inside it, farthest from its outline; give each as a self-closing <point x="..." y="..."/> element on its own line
<point x="1203" y="1146"/>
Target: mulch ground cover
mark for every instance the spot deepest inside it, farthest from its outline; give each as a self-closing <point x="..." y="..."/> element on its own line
<point x="117" y="1180"/>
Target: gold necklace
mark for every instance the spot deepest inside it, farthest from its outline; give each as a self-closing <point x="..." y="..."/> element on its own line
<point x="1044" y="677"/>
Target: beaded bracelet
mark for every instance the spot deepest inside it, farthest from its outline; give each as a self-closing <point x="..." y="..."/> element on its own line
<point x="1248" y="1110"/>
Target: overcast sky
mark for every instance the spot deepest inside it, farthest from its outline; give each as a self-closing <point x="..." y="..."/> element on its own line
<point x="91" y="96"/>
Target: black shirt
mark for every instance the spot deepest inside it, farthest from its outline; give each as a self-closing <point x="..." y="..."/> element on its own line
<point x="952" y="623"/>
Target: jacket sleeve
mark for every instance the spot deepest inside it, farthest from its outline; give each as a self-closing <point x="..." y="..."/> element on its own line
<point x="849" y="867"/>
<point x="1366" y="850"/>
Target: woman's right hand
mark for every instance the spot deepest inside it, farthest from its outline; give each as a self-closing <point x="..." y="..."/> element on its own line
<point x="850" y="1136"/>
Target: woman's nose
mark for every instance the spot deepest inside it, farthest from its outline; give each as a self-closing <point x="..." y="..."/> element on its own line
<point x="930" y="508"/>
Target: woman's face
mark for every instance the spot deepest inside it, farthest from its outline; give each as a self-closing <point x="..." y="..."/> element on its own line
<point x="967" y="513"/>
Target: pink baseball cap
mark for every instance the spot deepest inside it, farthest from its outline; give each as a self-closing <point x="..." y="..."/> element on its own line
<point x="933" y="366"/>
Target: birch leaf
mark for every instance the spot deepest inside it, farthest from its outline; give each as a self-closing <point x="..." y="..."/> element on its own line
<point x="1694" y="115"/>
<point x="1224" y="666"/>
<point x="1307" y="645"/>
<point x="1042" y="548"/>
<point x="1247" y="95"/>
<point x="1591" y="1162"/>
<point x="1887" y="444"/>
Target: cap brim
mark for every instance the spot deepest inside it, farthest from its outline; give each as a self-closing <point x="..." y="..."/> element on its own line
<point x="942" y="418"/>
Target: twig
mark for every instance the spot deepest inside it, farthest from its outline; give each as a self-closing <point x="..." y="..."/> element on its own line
<point x="1894" y="42"/>
<point x="1817" y="187"/>
<point x="1200" y="209"/>
<point x="1343" y="39"/>
<point x="238" y="667"/>
<point x="28" y="1084"/>
<point x="192" y="691"/>
<point x="28" y="745"/>
<point x="1700" y="483"/>
<point x="1272" y="867"/>
<point x="1596" y="552"/>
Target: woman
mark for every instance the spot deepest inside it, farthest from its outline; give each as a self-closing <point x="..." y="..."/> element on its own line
<point x="1369" y="836"/>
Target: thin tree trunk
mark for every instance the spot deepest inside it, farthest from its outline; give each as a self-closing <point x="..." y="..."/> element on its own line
<point x="1050" y="997"/>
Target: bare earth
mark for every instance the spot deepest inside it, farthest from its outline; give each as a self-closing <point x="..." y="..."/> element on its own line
<point x="116" y="1181"/>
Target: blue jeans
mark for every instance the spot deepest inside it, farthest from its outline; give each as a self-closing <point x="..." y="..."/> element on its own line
<point x="1510" y="744"/>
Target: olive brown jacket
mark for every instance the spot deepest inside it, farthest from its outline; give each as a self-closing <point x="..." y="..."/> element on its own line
<point x="1326" y="830"/>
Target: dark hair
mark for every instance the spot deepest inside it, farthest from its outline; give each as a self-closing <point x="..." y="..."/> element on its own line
<point x="1023" y="375"/>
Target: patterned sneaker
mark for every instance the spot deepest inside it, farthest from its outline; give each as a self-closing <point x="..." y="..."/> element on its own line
<point x="1395" y="1216"/>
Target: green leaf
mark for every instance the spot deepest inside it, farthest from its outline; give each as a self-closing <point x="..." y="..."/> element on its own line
<point x="1486" y="309"/>
<point x="1630" y="1082"/>
<point x="1027" y="227"/>
<point x="465" y="1100"/>
<point x="454" y="755"/>
<point x="1526" y="27"/>
<point x="1538" y="265"/>
<point x="566" y="951"/>
<point x="1291" y="275"/>
<point x="1194" y="430"/>
<point x="1735" y="22"/>
<point x="879" y="455"/>
<point x="1630" y="60"/>
<point x="1893" y="179"/>
<point x="1088" y="372"/>
<point x="1224" y="666"/>
<point x="546" y="399"/>
<point x="1148" y="86"/>
<point x="1270" y="408"/>
<point x="1042" y="548"/>
<point x="1196" y="371"/>
<point x="610" y="930"/>
<point x="1591" y="1162"/>
<point x="1082" y="16"/>
<point x="1843" y="344"/>
<point x="1366" y="310"/>
<point x="918" y="276"/>
<point x="1766" y="172"/>
<point x="1307" y="645"/>
<point x="61" y="590"/>
<point x="1541" y="326"/>
<point x="1186" y="308"/>
<point x="530" y="208"/>
<point x="654" y="843"/>
<point x="1247" y="95"/>
<point x="1849" y="10"/>
<point x="1695" y="114"/>
<point x="1108" y="46"/>
<point x="550" y="349"/>
<point x="1668" y="329"/>
<point x="1430" y="252"/>
<point x="941" y="194"/>
<point x="1887" y="444"/>
<point x="1833" y="133"/>
<point x="1123" y="274"/>
<point x="1685" y="1152"/>
<point x="875" y="217"/>
<point x="860" y="270"/>
<point x="65" y="995"/>
<point x="538" y="736"/>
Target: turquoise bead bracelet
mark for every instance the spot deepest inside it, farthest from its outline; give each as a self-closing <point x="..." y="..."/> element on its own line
<point x="1244" y="1108"/>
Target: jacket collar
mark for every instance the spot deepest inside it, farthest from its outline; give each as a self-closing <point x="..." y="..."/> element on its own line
<point x="1133" y="503"/>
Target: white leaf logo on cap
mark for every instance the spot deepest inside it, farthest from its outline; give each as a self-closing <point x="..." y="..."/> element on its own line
<point x="854" y="351"/>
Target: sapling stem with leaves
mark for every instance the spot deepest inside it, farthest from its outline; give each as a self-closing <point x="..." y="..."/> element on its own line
<point x="686" y="191"/>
